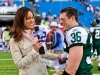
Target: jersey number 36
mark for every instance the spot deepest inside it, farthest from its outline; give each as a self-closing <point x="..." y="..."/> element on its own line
<point x="76" y="37"/>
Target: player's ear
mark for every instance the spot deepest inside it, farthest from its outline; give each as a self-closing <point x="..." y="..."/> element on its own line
<point x="73" y="17"/>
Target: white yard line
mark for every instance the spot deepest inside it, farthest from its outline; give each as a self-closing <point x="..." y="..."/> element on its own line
<point x="52" y="70"/>
<point x="6" y="59"/>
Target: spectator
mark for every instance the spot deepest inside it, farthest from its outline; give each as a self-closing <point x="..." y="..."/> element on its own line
<point x="43" y="15"/>
<point x="6" y="38"/>
<point x="9" y="2"/>
<point x="81" y="12"/>
<point x="47" y="21"/>
<point x="57" y="41"/>
<point x="89" y="7"/>
<point x="3" y="3"/>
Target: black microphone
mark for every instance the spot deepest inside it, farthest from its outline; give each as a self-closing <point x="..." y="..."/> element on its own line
<point x="38" y="34"/>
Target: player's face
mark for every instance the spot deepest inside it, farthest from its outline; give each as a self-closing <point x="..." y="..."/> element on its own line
<point x="29" y="21"/>
<point x="65" y="21"/>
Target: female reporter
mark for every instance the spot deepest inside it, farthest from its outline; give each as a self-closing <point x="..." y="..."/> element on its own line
<point x="25" y="47"/>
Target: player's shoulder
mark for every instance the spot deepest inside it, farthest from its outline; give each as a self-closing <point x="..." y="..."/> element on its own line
<point x="77" y="29"/>
<point x="92" y="27"/>
<point x="43" y="27"/>
<point x="97" y="27"/>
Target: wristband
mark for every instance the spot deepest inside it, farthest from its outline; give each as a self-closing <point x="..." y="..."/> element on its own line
<point x="65" y="73"/>
<point x="49" y="42"/>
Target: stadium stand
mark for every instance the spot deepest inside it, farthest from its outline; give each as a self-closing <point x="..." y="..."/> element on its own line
<point x="7" y="14"/>
<point x="26" y="4"/>
<point x="86" y="18"/>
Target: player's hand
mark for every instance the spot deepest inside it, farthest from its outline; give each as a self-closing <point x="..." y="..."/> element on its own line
<point x="37" y="45"/>
<point x="59" y="56"/>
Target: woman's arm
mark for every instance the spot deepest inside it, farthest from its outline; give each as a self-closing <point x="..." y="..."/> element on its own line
<point x="50" y="56"/>
<point x="19" y="60"/>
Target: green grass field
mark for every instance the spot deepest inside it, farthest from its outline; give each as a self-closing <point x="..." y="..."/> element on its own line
<point x="7" y="67"/>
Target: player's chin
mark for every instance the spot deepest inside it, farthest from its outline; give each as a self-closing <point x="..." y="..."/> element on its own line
<point x="64" y="28"/>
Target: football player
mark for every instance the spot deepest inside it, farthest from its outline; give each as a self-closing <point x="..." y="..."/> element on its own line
<point x="79" y="42"/>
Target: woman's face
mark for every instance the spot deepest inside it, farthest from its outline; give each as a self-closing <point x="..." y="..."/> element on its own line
<point x="29" y="21"/>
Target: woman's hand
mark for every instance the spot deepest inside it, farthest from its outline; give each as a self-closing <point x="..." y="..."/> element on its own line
<point x="37" y="45"/>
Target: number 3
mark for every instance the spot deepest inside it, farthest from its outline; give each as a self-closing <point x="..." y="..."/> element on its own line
<point x="76" y="37"/>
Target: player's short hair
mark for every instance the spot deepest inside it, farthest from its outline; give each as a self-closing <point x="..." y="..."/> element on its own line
<point x="38" y="20"/>
<point x="93" y="23"/>
<point x="70" y="11"/>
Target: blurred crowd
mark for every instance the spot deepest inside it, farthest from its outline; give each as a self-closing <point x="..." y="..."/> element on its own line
<point x="5" y="36"/>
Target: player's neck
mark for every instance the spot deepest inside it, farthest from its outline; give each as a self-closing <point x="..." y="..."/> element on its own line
<point x="74" y="24"/>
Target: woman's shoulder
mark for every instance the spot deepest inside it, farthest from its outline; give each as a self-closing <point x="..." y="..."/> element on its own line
<point x="12" y="40"/>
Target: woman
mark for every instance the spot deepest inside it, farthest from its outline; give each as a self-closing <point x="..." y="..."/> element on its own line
<point x="24" y="46"/>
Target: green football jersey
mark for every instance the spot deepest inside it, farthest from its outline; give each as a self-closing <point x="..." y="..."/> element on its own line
<point x="96" y="36"/>
<point x="80" y="36"/>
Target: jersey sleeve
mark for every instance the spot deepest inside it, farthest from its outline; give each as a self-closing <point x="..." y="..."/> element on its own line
<point x="76" y="37"/>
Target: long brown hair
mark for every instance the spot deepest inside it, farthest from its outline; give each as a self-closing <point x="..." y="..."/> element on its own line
<point x="18" y="25"/>
<point x="38" y="20"/>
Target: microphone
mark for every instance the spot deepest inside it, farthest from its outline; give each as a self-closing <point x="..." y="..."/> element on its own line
<point x="37" y="34"/>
